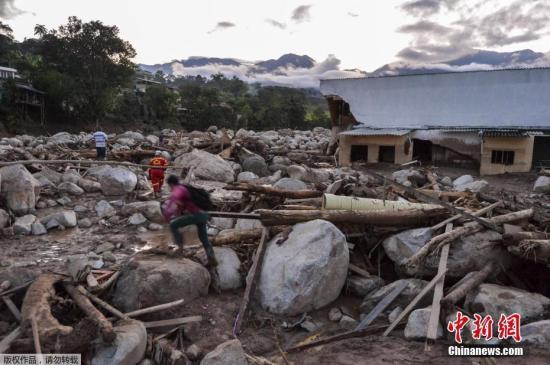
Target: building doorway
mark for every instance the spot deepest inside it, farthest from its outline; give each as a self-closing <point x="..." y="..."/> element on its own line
<point x="359" y="153"/>
<point x="386" y="154"/>
<point x="541" y="151"/>
<point x="422" y="150"/>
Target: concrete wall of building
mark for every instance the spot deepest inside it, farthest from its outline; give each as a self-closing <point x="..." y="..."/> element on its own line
<point x="464" y="143"/>
<point x="523" y="154"/>
<point x="374" y="143"/>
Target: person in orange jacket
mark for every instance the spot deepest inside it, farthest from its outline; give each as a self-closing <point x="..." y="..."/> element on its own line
<point x="156" y="173"/>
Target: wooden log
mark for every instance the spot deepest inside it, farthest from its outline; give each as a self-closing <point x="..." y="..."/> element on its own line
<point x="13" y="308"/>
<point x="16" y="289"/>
<point x="512" y="239"/>
<point x="534" y="250"/>
<point x="251" y="281"/>
<point x="413" y="303"/>
<point x="359" y="271"/>
<point x="406" y="217"/>
<point x="172" y="322"/>
<point x="477" y="213"/>
<point x="270" y="190"/>
<point x="433" y="323"/>
<point x="237" y="215"/>
<point x="102" y="303"/>
<point x="7" y="341"/>
<point x="35" y="335"/>
<point x="105" y="327"/>
<point x="155" y="308"/>
<point x="81" y="162"/>
<point x="381" y="305"/>
<point x="453" y="195"/>
<point x="468" y="285"/>
<point x="471" y="228"/>
<point x="232" y="236"/>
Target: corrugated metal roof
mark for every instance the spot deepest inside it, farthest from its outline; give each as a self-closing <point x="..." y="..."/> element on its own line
<point x="375" y="132"/>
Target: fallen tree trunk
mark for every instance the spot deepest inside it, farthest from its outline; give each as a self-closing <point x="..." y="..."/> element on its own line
<point x="468" y="229"/>
<point x="107" y="332"/>
<point x="512" y="239"/>
<point x="532" y="249"/>
<point x="270" y="190"/>
<point x="406" y="217"/>
<point x="477" y="213"/>
<point x="468" y="285"/>
<point x="231" y="236"/>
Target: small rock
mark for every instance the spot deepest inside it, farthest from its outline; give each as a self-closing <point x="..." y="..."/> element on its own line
<point x="247" y="176"/>
<point x="66" y="218"/>
<point x="70" y="188"/>
<point x="38" y="229"/>
<point x="335" y="314"/>
<point x="394" y="314"/>
<point x="64" y="200"/>
<point x="137" y="219"/>
<point x="227" y="353"/>
<point x="4" y="218"/>
<point x="85" y="223"/>
<point x="193" y="352"/>
<point x="71" y="177"/>
<point x="52" y="223"/>
<point x="50" y="203"/>
<point x="288" y="183"/>
<point x="107" y="246"/>
<point x="80" y="209"/>
<point x="464" y="179"/>
<point x="108" y="257"/>
<point x="104" y="209"/>
<point x="361" y="286"/>
<point x="417" y="325"/>
<point x="128" y="348"/>
<point x="536" y="333"/>
<point x="310" y="325"/>
<point x="348" y="322"/>
<point x="154" y="227"/>
<point x="142" y="229"/>
<point x="23" y="225"/>
<point x="542" y="185"/>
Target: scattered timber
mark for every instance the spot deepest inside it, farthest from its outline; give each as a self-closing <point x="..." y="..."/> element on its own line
<point x="406" y="217"/>
<point x="7" y="341"/>
<point x="468" y="285"/>
<point x="155" y="308"/>
<point x="477" y="213"/>
<point x="231" y="236"/>
<point x="172" y="322"/>
<point x="270" y="190"/>
<point x="512" y="239"/>
<point x="536" y="250"/>
<point x="382" y="304"/>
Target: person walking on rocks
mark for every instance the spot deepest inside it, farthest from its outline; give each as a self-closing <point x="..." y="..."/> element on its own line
<point x="186" y="206"/>
<point x="100" y="139"/>
<point x="156" y="173"/>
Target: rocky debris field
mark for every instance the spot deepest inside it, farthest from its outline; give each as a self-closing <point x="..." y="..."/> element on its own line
<point x="316" y="262"/>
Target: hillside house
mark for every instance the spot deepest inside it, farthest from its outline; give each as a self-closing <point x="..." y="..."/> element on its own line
<point x="497" y="120"/>
<point x="27" y="98"/>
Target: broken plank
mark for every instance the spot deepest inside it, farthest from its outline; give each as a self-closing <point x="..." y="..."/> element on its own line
<point x="155" y="308"/>
<point x="477" y="213"/>
<point x="102" y="303"/>
<point x="383" y="304"/>
<point x="234" y="215"/>
<point x="35" y="336"/>
<point x="251" y="281"/>
<point x="413" y="303"/>
<point x="438" y="294"/>
<point x="91" y="281"/>
<point x="17" y="288"/>
<point x="172" y="322"/>
<point x="13" y="308"/>
<point x="465" y="286"/>
<point x="6" y="341"/>
<point x="359" y="271"/>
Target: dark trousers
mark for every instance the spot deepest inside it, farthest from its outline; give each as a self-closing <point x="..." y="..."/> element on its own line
<point x="101" y="152"/>
<point x="198" y="219"/>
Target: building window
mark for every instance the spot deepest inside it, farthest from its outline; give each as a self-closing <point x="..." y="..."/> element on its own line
<point x="502" y="157"/>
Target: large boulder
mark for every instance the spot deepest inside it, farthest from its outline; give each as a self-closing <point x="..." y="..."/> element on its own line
<point x="536" y="333"/>
<point x="496" y="299"/>
<point x="20" y="189"/>
<point x="467" y="253"/>
<point x="473" y="187"/>
<point x="464" y="179"/>
<point x="117" y="181"/>
<point x="150" y="209"/>
<point x="255" y="164"/>
<point x="145" y="283"/>
<point x="227" y="353"/>
<point x="414" y="286"/>
<point x="228" y="268"/>
<point x="128" y="348"/>
<point x="542" y="185"/>
<point x="289" y="183"/>
<point x="306" y="272"/>
<point x="51" y="175"/>
<point x="23" y="225"/>
<point x="307" y="174"/>
<point x="206" y="166"/>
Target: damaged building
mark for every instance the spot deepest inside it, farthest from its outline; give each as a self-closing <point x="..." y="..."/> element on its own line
<point x="498" y="121"/>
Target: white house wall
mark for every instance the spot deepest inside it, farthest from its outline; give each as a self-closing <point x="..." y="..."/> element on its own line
<point x="508" y="98"/>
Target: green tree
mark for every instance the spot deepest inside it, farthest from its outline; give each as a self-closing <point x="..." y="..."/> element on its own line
<point x="161" y="101"/>
<point x="92" y="59"/>
<point x="6" y="44"/>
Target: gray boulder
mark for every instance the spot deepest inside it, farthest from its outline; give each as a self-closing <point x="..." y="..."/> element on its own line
<point x="89" y="186"/>
<point x="20" y="189"/>
<point x="4" y="218"/>
<point x="227" y="353"/>
<point x="289" y="183"/>
<point x="136" y="219"/>
<point x="536" y="333"/>
<point x="409" y="176"/>
<point x="246" y="176"/>
<point x="306" y="272"/>
<point x="244" y="224"/>
<point x="70" y="176"/>
<point x="223" y="223"/>
<point x="128" y="348"/>
<point x="255" y="164"/>
<point x="228" y="268"/>
<point x="496" y="299"/>
<point x="361" y="286"/>
<point x="414" y="286"/>
<point x="206" y="166"/>
<point x="70" y="188"/>
<point x="464" y="179"/>
<point x="104" y="209"/>
<point x="467" y="253"/>
<point x="307" y="174"/>
<point x="85" y="223"/>
<point x="49" y="174"/>
<point x="23" y="225"/>
<point x="66" y="218"/>
<point x="474" y="186"/>
<point x="117" y="181"/>
<point x="38" y="229"/>
<point x="417" y="325"/>
<point x="145" y="283"/>
<point x="542" y="185"/>
<point x="150" y="209"/>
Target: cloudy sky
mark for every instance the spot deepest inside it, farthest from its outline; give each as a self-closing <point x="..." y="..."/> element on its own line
<point x="362" y="34"/>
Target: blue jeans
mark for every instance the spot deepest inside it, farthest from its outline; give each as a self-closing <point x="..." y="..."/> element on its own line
<point x="199" y="219"/>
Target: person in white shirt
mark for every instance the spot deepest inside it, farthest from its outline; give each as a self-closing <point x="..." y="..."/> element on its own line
<point x="100" y="144"/>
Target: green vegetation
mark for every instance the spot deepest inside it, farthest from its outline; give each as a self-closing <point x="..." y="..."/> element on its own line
<point x="87" y="73"/>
